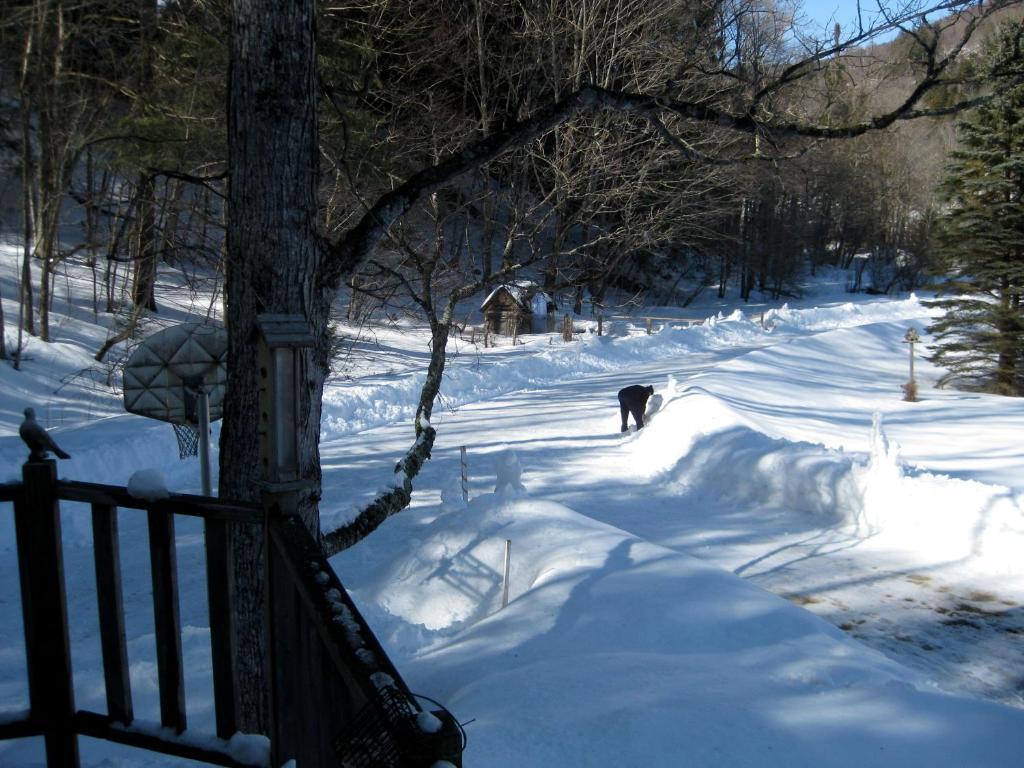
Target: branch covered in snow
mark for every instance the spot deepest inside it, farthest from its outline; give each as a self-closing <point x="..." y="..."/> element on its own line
<point x="389" y="503"/>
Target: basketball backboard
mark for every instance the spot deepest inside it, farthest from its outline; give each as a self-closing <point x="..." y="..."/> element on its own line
<point x="163" y="375"/>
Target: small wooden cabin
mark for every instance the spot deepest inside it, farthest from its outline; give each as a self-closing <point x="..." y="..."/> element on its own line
<point x="515" y="308"/>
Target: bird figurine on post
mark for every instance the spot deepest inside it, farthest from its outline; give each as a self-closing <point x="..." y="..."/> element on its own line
<point x="37" y="439"/>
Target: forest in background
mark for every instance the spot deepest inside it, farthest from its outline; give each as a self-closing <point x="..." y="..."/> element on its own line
<point x="114" y="147"/>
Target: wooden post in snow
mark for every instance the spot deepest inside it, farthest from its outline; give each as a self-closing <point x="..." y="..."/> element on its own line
<point x="505" y="572"/>
<point x="281" y="338"/>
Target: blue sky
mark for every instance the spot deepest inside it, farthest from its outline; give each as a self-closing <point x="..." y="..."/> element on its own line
<point x="821" y="14"/>
<point x="821" y="10"/>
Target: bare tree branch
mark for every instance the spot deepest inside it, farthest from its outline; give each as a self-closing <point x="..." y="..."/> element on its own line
<point x="356" y="245"/>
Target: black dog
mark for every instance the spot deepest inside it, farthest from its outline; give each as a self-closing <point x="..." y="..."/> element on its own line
<point x="633" y="400"/>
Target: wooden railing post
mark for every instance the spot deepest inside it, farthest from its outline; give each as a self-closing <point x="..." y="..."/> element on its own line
<point x="45" y="612"/>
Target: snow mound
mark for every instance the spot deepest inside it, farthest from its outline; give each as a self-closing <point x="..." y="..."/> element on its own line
<point x="148" y="484"/>
<point x="604" y="628"/>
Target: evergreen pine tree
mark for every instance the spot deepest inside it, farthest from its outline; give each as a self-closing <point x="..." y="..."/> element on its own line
<point x="980" y="339"/>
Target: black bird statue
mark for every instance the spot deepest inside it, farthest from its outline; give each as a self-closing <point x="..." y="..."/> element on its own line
<point x="37" y="439"/>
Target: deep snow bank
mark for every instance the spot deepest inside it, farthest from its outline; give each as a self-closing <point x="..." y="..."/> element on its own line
<point x="876" y="496"/>
<point x="617" y="651"/>
<point x="768" y="429"/>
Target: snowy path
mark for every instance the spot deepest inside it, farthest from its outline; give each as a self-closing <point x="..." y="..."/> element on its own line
<point x="625" y="610"/>
<point x="706" y="478"/>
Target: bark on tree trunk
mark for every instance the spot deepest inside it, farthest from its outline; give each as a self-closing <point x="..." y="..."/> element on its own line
<point x="27" y="321"/>
<point x="3" y="331"/>
<point x="146" y="258"/>
<point x="143" y="295"/>
<point x="92" y="226"/>
<point x="274" y="260"/>
<point x="51" y="180"/>
<point x="44" y="295"/>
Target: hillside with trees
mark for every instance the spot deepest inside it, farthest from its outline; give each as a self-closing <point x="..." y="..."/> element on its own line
<point x="114" y="139"/>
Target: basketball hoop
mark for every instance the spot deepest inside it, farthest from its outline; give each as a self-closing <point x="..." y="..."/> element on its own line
<point x="178" y="375"/>
<point x="188" y="440"/>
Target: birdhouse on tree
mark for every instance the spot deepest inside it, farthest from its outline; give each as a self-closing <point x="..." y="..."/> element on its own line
<point x="518" y="307"/>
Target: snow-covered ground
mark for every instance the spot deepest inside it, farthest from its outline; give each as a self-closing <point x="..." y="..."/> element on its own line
<point x="789" y="566"/>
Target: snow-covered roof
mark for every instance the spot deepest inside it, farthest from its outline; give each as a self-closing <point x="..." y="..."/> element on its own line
<point x="525" y="293"/>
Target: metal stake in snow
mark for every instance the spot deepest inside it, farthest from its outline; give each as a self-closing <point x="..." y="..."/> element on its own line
<point x="194" y="385"/>
<point x="504" y="579"/>
<point x="204" y="441"/>
<point x="465" y="476"/>
<point x="911" y="338"/>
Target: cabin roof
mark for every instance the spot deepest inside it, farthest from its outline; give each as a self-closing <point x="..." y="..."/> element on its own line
<point x="522" y="292"/>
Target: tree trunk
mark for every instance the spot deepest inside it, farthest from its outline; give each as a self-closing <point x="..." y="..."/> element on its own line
<point x="92" y="217"/>
<point x="146" y="255"/>
<point x="50" y="76"/>
<point x="26" y="320"/>
<point x="273" y="264"/>
<point x="3" y="331"/>
<point x="1008" y="345"/>
<point x="143" y="295"/>
<point x="44" y="296"/>
<point x="171" y="218"/>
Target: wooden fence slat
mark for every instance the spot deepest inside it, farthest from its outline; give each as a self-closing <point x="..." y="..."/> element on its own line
<point x="21" y="729"/>
<point x="167" y="620"/>
<point x="97" y="726"/>
<point x="313" y="698"/>
<point x="177" y="503"/>
<point x="220" y="590"/>
<point x="9" y="491"/>
<point x="45" y="612"/>
<point x="296" y="549"/>
<point x="110" y="600"/>
<point x="283" y="630"/>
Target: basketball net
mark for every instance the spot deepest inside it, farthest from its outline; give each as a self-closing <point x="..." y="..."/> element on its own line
<point x="188" y="440"/>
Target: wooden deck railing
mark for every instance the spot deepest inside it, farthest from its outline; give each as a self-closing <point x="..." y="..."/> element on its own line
<point x="336" y="699"/>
